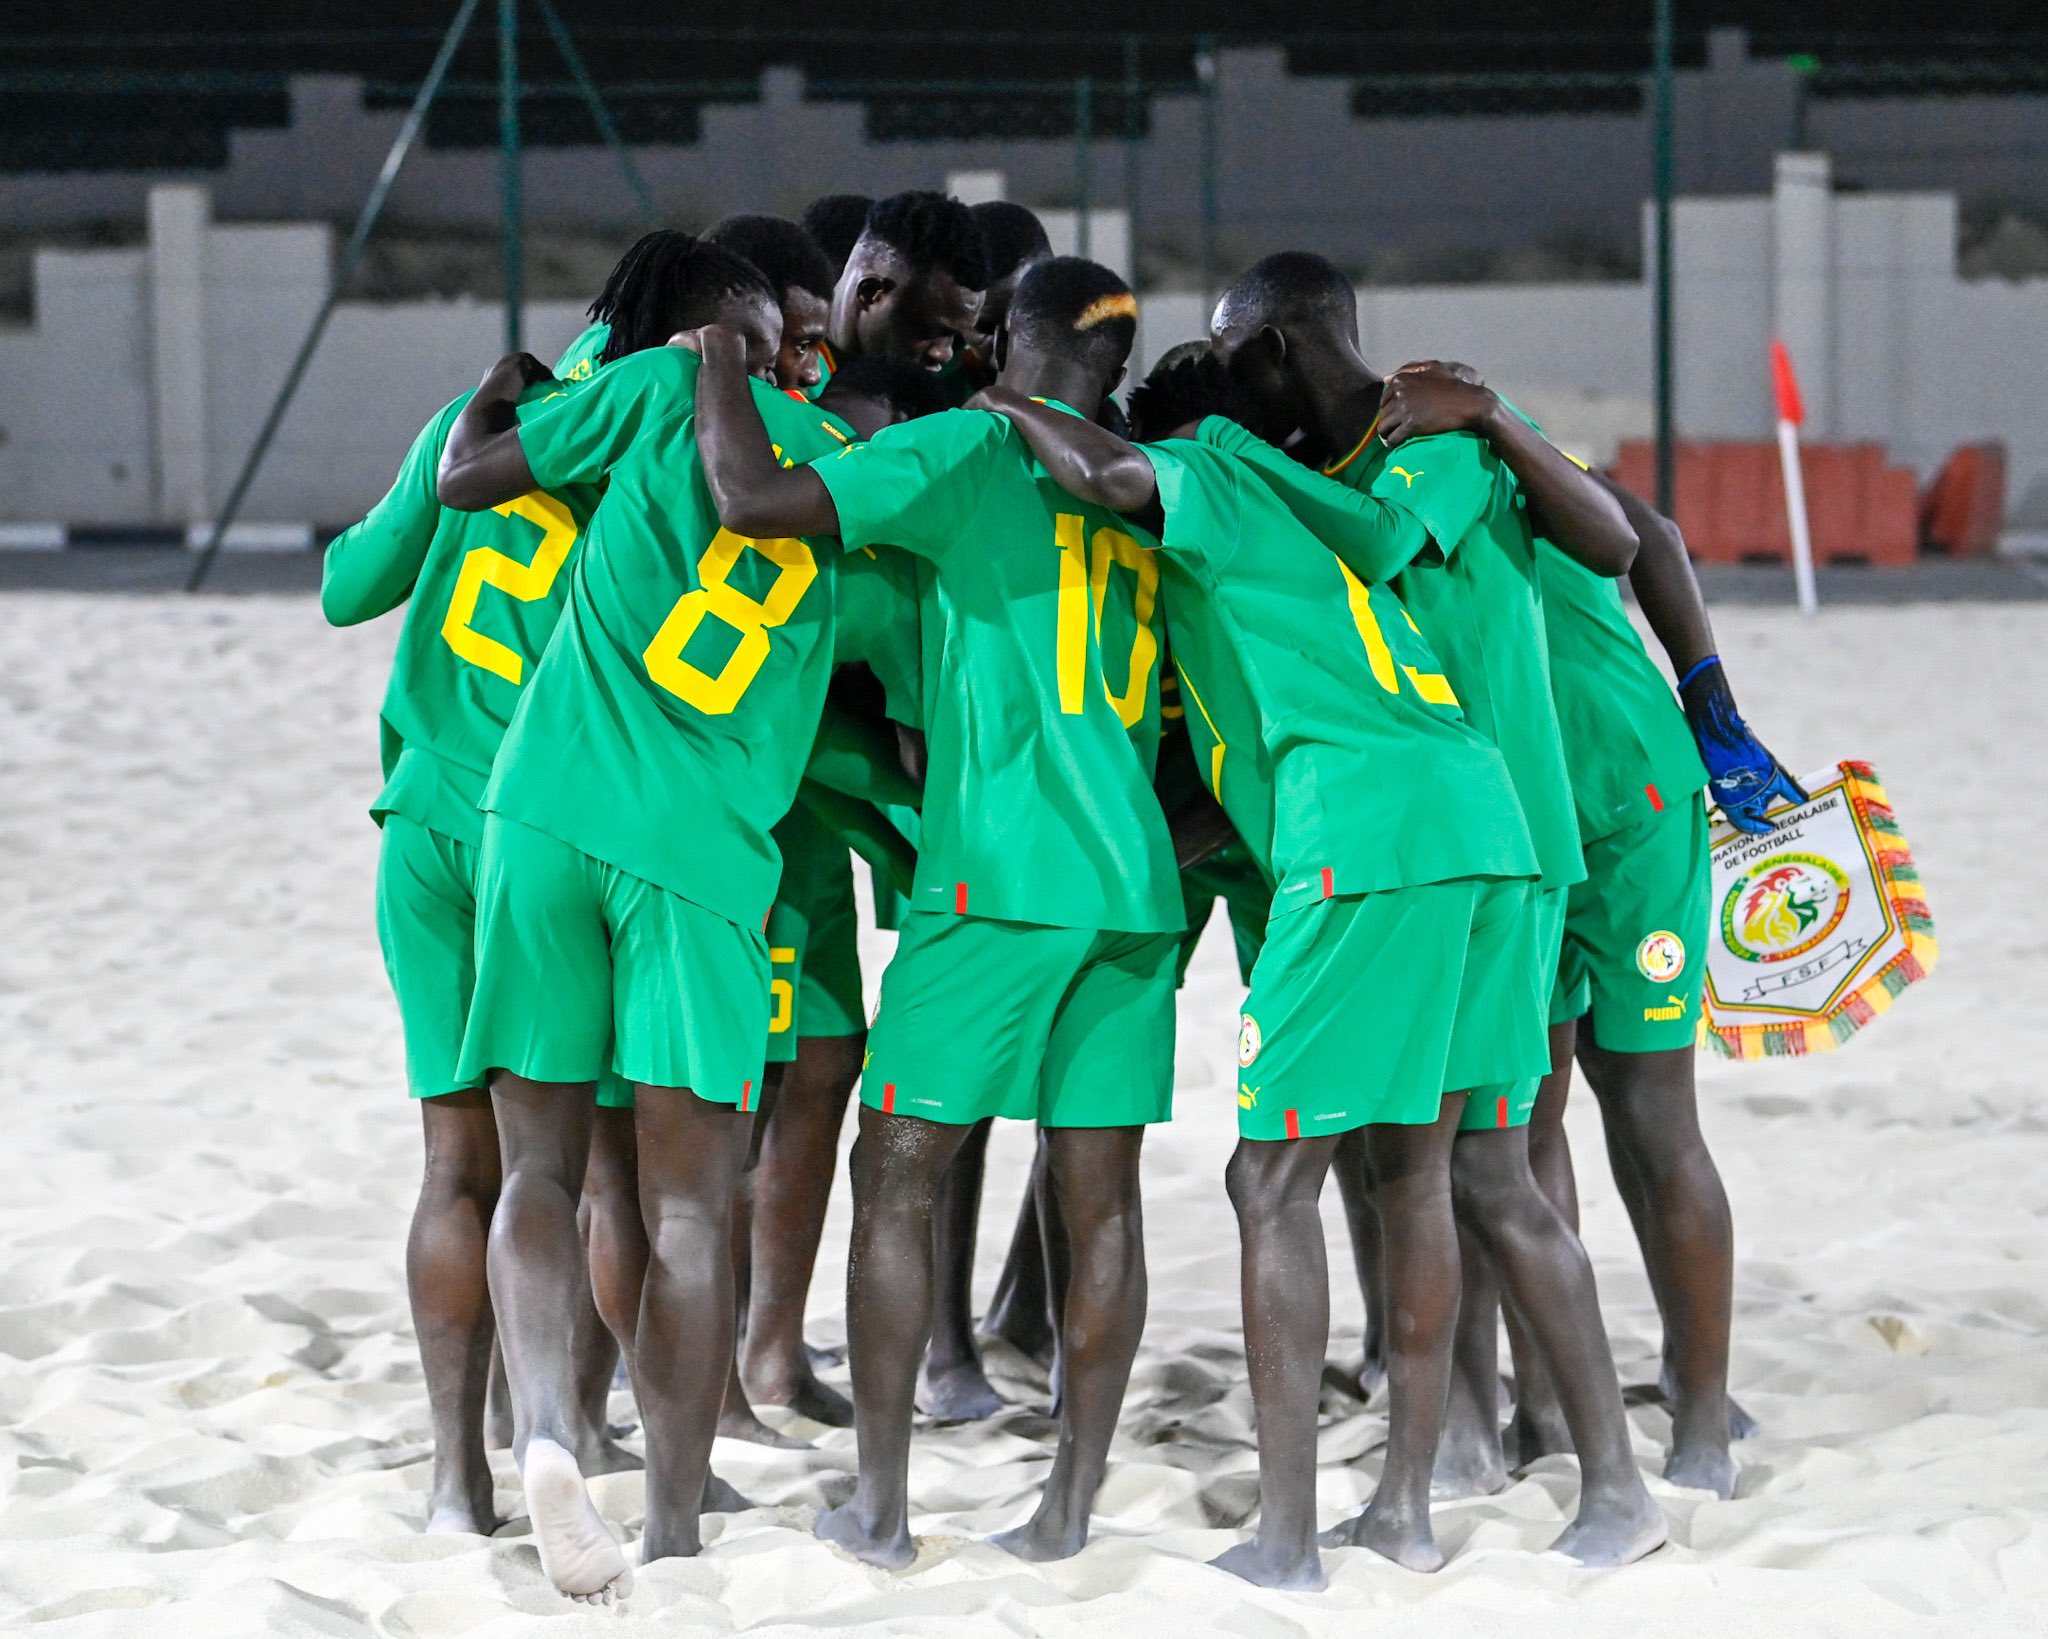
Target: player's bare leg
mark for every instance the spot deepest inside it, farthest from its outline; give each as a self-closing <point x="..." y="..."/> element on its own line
<point x="1410" y="1168"/>
<point x="899" y="1164"/>
<point x="1675" y="1199"/>
<point x="954" y="1385"/>
<point x="692" y="1153"/>
<point x="1275" y="1187"/>
<point x="1092" y="1174"/>
<point x="1537" y="1428"/>
<point x="499" y="1433"/>
<point x="538" y="1278"/>
<point x="615" y="1247"/>
<point x="1470" y="1461"/>
<point x="792" y="1183"/>
<point x="1020" y="1311"/>
<point x="1546" y="1276"/>
<point x="737" y="1420"/>
<point x="451" y="1301"/>
<point x="1368" y="1259"/>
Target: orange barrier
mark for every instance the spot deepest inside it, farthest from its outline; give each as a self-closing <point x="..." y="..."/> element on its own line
<point x="1963" y="509"/>
<point x="1730" y="500"/>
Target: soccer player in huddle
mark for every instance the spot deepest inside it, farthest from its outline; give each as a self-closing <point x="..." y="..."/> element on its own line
<point x="626" y="869"/>
<point x="1287" y="330"/>
<point x="1034" y="977"/>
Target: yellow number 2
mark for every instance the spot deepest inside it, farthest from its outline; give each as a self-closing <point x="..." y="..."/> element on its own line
<point x="1432" y="686"/>
<point x="1082" y="585"/>
<point x="484" y="566"/>
<point x="716" y="693"/>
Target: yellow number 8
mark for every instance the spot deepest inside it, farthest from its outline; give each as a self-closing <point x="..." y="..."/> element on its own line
<point x="716" y="693"/>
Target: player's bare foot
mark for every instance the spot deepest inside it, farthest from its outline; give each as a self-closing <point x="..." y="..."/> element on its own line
<point x="1295" y="1573"/>
<point x="803" y="1394"/>
<point x="1409" y="1543"/>
<point x="1701" y="1463"/>
<point x="469" y="1510"/>
<point x="843" y="1527"/>
<point x="1050" y="1533"/>
<point x="721" y="1498"/>
<point x="1469" y="1461"/>
<point x="601" y="1454"/>
<point x="1361" y="1384"/>
<point x="577" y="1550"/>
<point x="958" y="1394"/>
<point x="1741" y="1426"/>
<point x="1614" y="1530"/>
<point x="1534" y="1432"/>
<point x="741" y="1424"/>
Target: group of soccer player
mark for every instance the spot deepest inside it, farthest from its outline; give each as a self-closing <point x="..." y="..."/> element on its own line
<point x="828" y="539"/>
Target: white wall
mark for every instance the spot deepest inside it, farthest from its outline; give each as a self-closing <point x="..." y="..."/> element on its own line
<point x="1900" y="351"/>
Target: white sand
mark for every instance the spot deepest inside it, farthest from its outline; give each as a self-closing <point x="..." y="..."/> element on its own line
<point x="211" y="1420"/>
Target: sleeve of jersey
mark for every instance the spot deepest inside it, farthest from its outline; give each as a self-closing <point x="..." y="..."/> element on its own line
<point x="575" y="434"/>
<point x="1196" y="513"/>
<point x="1376" y="538"/>
<point x="1448" y="480"/>
<point x="371" y="567"/>
<point x="915" y="485"/>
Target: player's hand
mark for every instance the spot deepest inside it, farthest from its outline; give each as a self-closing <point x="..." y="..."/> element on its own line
<point x="714" y="343"/>
<point x="512" y="375"/>
<point x="1743" y="778"/>
<point x="1419" y="402"/>
<point x="1443" y="367"/>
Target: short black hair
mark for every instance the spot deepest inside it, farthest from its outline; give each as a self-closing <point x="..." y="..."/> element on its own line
<point x="835" y="222"/>
<point x="906" y="388"/>
<point x="671" y="281"/>
<point x="779" y="248"/>
<point x="932" y="230"/>
<point x="1290" y="286"/>
<point x="1076" y="309"/>
<point x="1182" y="389"/>
<point x="1015" y="236"/>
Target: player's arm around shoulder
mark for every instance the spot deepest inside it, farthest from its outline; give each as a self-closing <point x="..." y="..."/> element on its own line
<point x="754" y="494"/>
<point x="371" y="567"/>
<point x="1087" y="461"/>
<point x="483" y="464"/>
<point x="1372" y="536"/>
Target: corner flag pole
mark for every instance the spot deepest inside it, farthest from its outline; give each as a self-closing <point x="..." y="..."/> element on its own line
<point x="1791" y="412"/>
<point x="416" y="117"/>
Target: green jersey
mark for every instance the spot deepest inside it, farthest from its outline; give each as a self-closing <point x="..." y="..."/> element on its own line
<point x="484" y="590"/>
<point x="1625" y="739"/>
<point x="880" y="593"/>
<point x="1371" y="776"/>
<point x="667" y="731"/>
<point x="1040" y="678"/>
<point x="579" y="363"/>
<point x="1481" y="605"/>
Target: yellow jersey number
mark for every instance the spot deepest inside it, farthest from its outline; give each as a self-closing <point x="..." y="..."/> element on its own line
<point x="717" y="693"/>
<point x="1432" y="686"/>
<point x="484" y="566"/>
<point x="1084" y="581"/>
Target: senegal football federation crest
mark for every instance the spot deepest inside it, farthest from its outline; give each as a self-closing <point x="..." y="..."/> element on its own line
<point x="1784" y="906"/>
<point x="1660" y="958"/>
<point x="1248" y="1042"/>
<point x="1819" y="924"/>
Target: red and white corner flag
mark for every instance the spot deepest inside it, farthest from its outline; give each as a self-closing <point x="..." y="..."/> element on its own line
<point x="1791" y="413"/>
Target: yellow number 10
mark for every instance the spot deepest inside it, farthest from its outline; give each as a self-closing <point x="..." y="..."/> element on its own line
<point x="1432" y="686"/>
<point x="1082" y="585"/>
<point x="716" y="693"/>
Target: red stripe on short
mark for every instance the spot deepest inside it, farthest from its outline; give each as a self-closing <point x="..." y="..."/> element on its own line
<point x="959" y="899"/>
<point x="1329" y="884"/>
<point x="746" y="1087"/>
<point x="888" y="1098"/>
<point x="1656" y="802"/>
<point x="1500" y="1114"/>
<point x="1293" y="1123"/>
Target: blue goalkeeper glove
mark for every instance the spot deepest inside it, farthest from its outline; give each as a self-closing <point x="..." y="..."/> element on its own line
<point x="1743" y="778"/>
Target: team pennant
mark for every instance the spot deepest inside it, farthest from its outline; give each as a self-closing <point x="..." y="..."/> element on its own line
<point x="1816" y="927"/>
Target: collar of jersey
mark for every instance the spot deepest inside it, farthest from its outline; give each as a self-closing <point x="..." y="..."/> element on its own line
<point x="1058" y="404"/>
<point x="1357" y="450"/>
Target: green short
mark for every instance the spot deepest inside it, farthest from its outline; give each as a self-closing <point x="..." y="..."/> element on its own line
<point x="426" y="923"/>
<point x="1069" y="1027"/>
<point x="1351" y="1012"/>
<point x="1501" y="1050"/>
<point x="1231" y="875"/>
<point x="581" y="968"/>
<point x="1635" y="934"/>
<point x="813" y="939"/>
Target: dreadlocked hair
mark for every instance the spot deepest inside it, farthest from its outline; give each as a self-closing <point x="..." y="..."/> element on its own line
<point x="932" y="230"/>
<point x="1183" y="390"/>
<point x="672" y="281"/>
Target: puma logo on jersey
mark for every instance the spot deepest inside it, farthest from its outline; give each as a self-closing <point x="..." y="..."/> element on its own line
<point x="1663" y="1015"/>
<point x="1247" y="1097"/>
<point x="1405" y="473"/>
